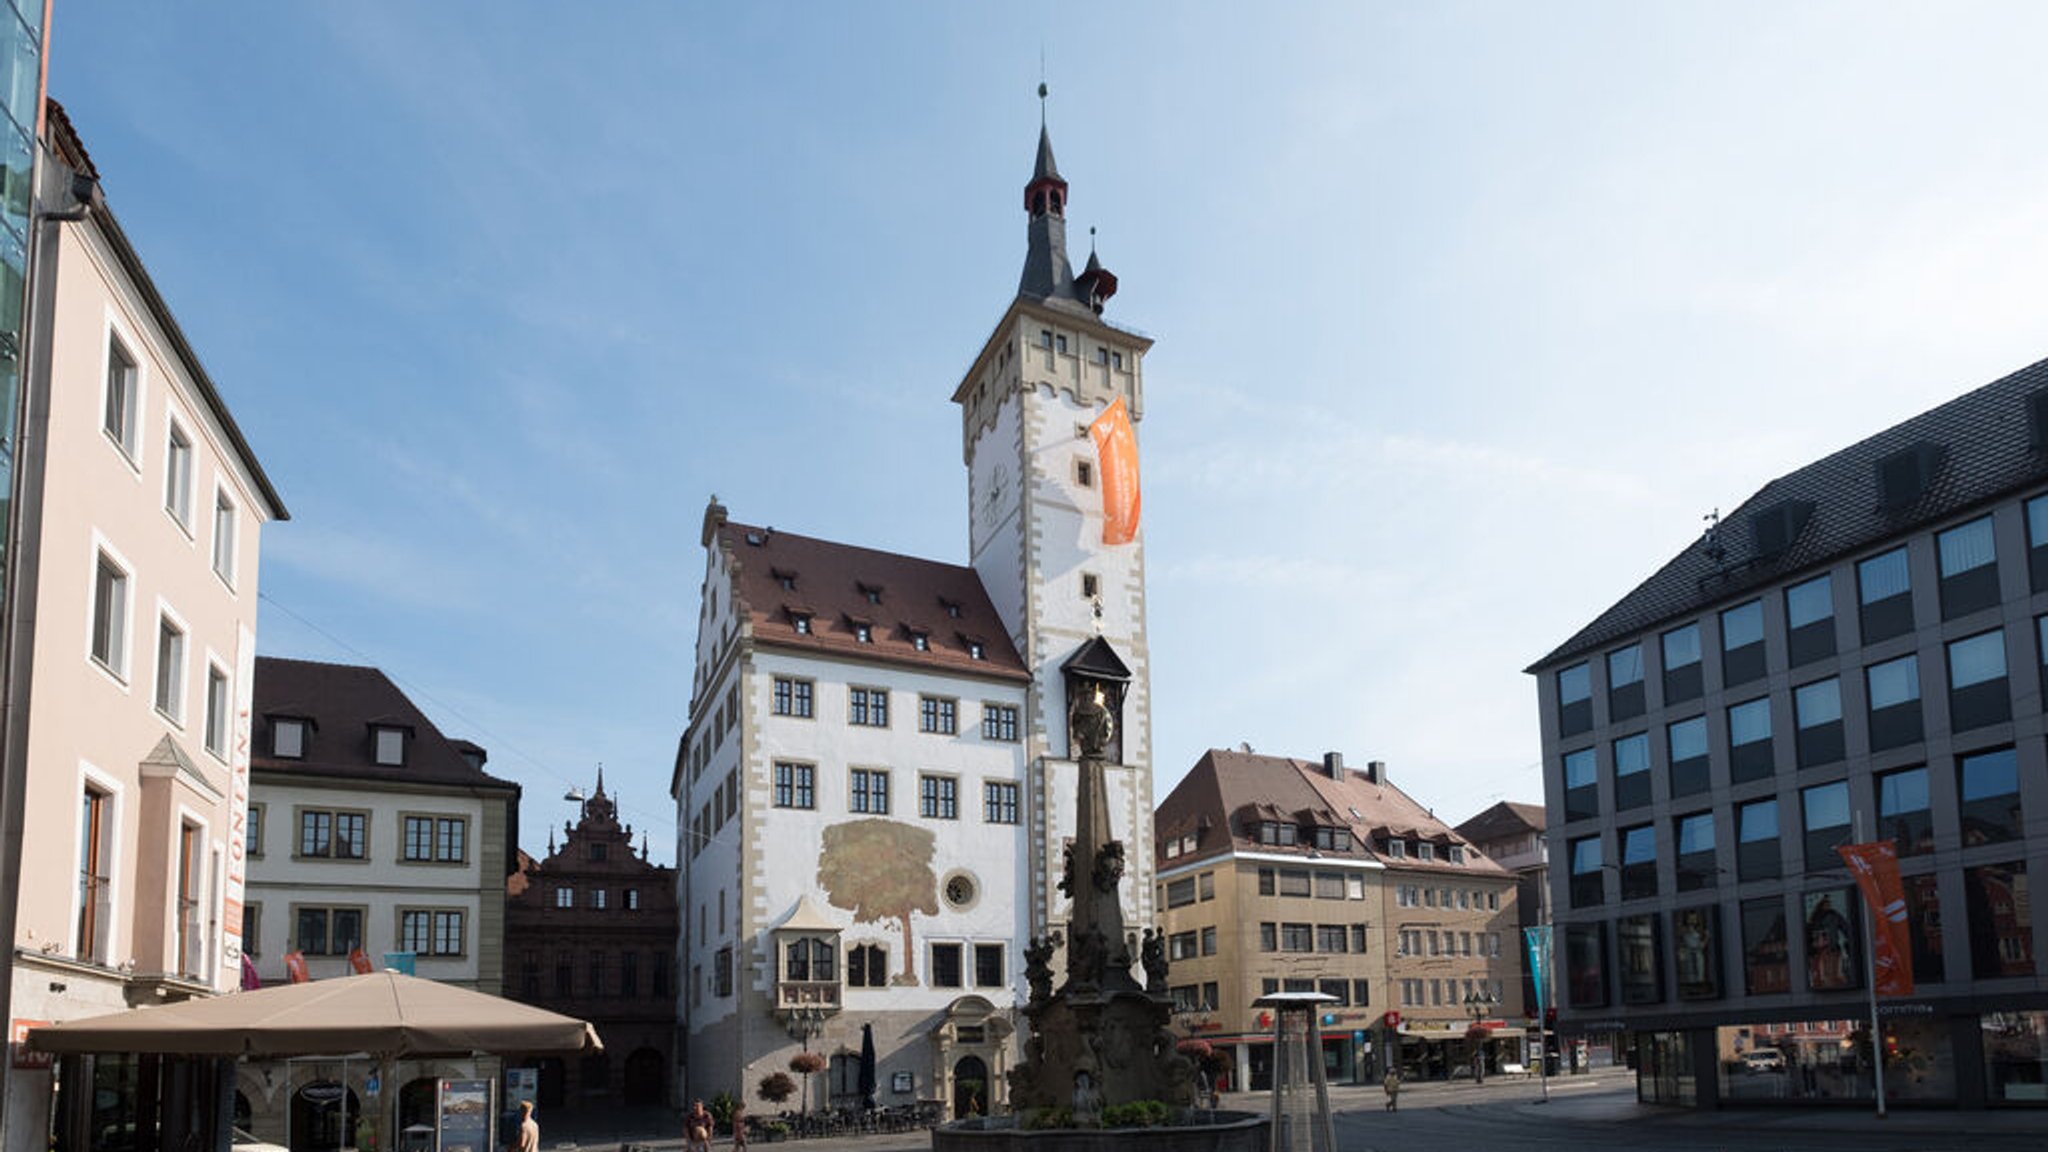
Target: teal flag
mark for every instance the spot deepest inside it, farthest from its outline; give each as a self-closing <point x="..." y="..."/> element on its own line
<point x="1539" y="964"/>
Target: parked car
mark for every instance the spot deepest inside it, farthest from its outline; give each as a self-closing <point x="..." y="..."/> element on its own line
<point x="1764" y="1060"/>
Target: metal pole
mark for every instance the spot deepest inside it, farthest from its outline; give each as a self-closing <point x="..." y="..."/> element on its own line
<point x="1870" y="981"/>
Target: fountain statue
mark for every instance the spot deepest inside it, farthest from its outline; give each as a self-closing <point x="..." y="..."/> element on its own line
<point x="1101" y="1038"/>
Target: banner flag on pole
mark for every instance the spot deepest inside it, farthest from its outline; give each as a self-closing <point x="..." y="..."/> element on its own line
<point x="250" y="980"/>
<point x="1539" y="964"/>
<point x="1876" y="868"/>
<point x="1116" y="451"/>
<point x="295" y="967"/>
<point x="359" y="962"/>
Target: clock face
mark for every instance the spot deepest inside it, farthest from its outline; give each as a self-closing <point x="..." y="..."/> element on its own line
<point x="998" y="494"/>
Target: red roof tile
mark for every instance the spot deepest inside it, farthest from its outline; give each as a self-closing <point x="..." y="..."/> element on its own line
<point x="779" y="575"/>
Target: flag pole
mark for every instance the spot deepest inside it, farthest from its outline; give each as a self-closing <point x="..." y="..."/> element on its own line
<point x="1870" y="981"/>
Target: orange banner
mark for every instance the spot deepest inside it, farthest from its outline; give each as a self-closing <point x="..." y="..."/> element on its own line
<point x="359" y="960"/>
<point x="1116" y="451"/>
<point x="1876" y="868"/>
<point x="295" y="967"/>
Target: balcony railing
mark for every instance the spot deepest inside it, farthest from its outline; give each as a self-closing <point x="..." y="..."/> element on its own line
<point x="807" y="994"/>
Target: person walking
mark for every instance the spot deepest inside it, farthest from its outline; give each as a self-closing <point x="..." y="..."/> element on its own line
<point x="697" y="1128"/>
<point x="739" y="1126"/>
<point x="529" y="1129"/>
<point x="1392" y="1084"/>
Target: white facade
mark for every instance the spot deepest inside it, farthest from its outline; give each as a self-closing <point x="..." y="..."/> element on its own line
<point x="379" y="887"/>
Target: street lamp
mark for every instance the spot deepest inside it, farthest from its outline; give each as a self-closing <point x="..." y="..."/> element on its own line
<point x="1480" y="1005"/>
<point x="804" y="1022"/>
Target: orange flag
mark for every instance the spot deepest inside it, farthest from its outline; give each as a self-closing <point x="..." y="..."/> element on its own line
<point x="1116" y="450"/>
<point x="295" y="967"/>
<point x="360" y="962"/>
<point x="1876" y="868"/>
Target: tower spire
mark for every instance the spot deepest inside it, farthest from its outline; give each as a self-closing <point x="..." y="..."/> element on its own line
<point x="1047" y="275"/>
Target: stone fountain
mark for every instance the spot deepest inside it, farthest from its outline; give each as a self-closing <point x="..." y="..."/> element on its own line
<point x="1100" y="1039"/>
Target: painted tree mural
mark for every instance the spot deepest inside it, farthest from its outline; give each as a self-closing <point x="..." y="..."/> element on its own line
<point x="881" y="870"/>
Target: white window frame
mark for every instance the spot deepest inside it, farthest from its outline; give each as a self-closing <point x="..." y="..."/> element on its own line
<point x="165" y="614"/>
<point x="377" y="734"/>
<point x="130" y="442"/>
<point x="123" y="641"/>
<point x="216" y="742"/>
<point x="226" y="558"/>
<point x="180" y="511"/>
<point x="297" y="722"/>
<point x="110" y="935"/>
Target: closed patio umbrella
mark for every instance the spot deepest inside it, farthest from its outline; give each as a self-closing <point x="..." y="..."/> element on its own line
<point x="867" y="1066"/>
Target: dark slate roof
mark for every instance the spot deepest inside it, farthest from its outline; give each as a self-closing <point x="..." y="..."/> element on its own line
<point x="1225" y="795"/>
<point x="1045" y="168"/>
<point x="342" y="701"/>
<point x="1506" y="818"/>
<point x="1987" y="449"/>
<point x="1097" y="659"/>
<point x="832" y="584"/>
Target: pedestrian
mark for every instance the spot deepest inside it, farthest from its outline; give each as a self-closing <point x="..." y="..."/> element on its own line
<point x="739" y="1125"/>
<point x="529" y="1129"/>
<point x="1392" y="1084"/>
<point x="697" y="1128"/>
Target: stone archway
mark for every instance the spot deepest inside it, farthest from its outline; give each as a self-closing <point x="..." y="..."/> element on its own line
<point x="971" y="1029"/>
<point x="646" y="1077"/>
<point x="970" y="1087"/>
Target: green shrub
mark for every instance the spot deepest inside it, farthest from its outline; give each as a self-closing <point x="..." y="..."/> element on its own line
<point x="1136" y="1114"/>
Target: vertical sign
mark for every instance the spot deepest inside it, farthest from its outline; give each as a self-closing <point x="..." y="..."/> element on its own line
<point x="1876" y="868"/>
<point x="238" y="807"/>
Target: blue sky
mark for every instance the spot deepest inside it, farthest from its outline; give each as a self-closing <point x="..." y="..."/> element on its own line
<point x="1466" y="314"/>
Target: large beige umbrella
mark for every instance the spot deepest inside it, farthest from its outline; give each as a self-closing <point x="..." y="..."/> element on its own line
<point x="383" y="1013"/>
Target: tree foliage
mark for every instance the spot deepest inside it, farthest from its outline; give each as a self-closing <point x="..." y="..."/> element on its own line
<point x="881" y="870"/>
<point x="777" y="1087"/>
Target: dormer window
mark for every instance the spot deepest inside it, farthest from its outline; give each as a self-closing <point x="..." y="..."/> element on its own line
<point x="388" y="744"/>
<point x="1333" y="839"/>
<point x="1457" y="854"/>
<point x="863" y="633"/>
<point x="974" y="650"/>
<point x="785" y="578"/>
<point x="872" y="593"/>
<point x="1278" y="832"/>
<point x="288" y="739"/>
<point x="952" y="608"/>
<point x="800" y="622"/>
<point x="1397" y="849"/>
<point x="922" y="641"/>
<point x="1424" y="850"/>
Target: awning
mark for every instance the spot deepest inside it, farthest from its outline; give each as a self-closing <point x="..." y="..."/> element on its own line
<point x="385" y="1013"/>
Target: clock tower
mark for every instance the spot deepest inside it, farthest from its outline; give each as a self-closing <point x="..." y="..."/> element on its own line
<point x="1073" y="605"/>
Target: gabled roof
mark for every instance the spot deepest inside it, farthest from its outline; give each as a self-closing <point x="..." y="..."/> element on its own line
<point x="1507" y="818"/>
<point x="1226" y="793"/>
<point x="343" y="701"/>
<point x="841" y="587"/>
<point x="1975" y="449"/>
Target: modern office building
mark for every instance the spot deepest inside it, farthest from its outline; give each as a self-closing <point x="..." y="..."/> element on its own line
<point x="590" y="931"/>
<point x="877" y="781"/>
<point x="1284" y="875"/>
<point x="1856" y="653"/>
<point x="136" y="519"/>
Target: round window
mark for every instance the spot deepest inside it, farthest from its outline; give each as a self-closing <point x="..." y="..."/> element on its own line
<point x="960" y="890"/>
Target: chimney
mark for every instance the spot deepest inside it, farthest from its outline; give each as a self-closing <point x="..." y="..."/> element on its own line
<point x="1333" y="765"/>
<point x="1376" y="771"/>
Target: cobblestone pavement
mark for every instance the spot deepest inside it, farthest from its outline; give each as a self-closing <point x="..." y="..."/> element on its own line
<point x="1596" y="1111"/>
